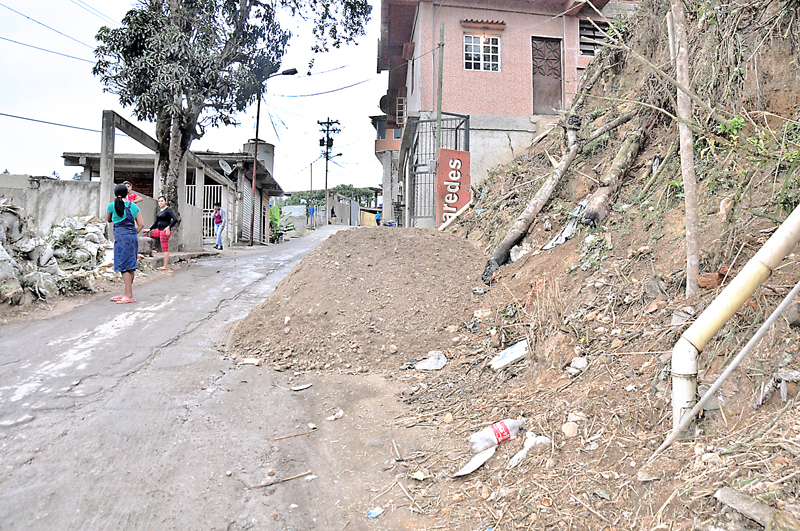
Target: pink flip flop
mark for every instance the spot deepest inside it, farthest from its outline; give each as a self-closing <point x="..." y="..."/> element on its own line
<point x="125" y="300"/>
<point x="116" y="298"/>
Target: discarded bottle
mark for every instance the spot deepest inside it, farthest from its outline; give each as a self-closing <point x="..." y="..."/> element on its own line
<point x="495" y="434"/>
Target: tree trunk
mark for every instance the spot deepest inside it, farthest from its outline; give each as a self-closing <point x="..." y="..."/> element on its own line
<point x="599" y="204"/>
<point x="687" y="151"/>
<point x="524" y="221"/>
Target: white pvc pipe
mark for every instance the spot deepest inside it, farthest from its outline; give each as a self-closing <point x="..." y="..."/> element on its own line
<point x="684" y="378"/>
<point x="687" y="419"/>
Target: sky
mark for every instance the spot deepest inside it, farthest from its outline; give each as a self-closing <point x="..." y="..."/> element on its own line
<point x="44" y="86"/>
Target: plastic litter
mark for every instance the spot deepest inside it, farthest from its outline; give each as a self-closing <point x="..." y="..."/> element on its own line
<point x="301" y="387"/>
<point x="495" y="434"/>
<point x="376" y="512"/>
<point x="476" y="462"/>
<point x="435" y="361"/>
<point x="531" y="441"/>
<point x="510" y="355"/>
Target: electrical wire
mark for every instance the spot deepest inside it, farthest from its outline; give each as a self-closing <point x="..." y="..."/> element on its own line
<point x="348" y="86"/>
<point x="54" y="123"/>
<point x="95" y="12"/>
<point x="45" y="50"/>
<point x="46" y="26"/>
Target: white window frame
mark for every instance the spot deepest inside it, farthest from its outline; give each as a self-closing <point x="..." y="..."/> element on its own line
<point x="488" y="59"/>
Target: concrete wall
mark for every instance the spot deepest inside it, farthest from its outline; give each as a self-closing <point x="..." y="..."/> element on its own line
<point x="497" y="140"/>
<point x="49" y="201"/>
<point x="297" y="215"/>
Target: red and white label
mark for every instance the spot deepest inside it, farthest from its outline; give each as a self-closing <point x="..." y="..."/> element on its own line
<point x="501" y="432"/>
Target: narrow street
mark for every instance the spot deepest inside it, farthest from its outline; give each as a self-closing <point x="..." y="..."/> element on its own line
<point x="132" y="417"/>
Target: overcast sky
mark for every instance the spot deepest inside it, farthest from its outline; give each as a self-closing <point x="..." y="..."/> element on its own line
<point x="40" y="85"/>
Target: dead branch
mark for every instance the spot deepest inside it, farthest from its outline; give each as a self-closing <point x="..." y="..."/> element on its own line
<point x="600" y="202"/>
<point x="659" y="171"/>
<point x="613" y="124"/>
<point x="524" y="221"/>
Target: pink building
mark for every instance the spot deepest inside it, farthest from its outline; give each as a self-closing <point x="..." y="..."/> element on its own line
<point x="509" y="67"/>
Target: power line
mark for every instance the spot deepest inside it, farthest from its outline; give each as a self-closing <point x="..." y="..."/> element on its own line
<point x="45" y="50"/>
<point x="46" y="26"/>
<point x="348" y="86"/>
<point x="93" y="11"/>
<point x="51" y="123"/>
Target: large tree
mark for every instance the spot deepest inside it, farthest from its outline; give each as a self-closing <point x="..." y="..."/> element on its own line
<point x="190" y="64"/>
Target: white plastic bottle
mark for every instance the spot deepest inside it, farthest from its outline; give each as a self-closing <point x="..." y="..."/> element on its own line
<point x="495" y="434"/>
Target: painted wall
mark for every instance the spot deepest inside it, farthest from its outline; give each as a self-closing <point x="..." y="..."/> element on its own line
<point x="508" y="92"/>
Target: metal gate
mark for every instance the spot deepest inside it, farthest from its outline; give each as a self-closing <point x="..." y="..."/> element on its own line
<point x="212" y="193"/>
<point x="423" y="159"/>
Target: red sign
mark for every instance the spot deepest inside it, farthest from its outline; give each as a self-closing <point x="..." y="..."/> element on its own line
<point x="452" y="184"/>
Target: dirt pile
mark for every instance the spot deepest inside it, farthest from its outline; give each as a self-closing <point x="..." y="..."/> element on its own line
<point x="366" y="298"/>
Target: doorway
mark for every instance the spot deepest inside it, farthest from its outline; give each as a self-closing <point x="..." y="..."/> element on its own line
<point x="547" y="75"/>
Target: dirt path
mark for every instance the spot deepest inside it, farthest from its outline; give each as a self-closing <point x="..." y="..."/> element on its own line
<point x="133" y="417"/>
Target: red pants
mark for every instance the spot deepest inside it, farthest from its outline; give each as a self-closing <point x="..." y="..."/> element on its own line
<point x="163" y="237"/>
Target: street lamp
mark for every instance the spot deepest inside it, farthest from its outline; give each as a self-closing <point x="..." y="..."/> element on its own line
<point x="288" y="72"/>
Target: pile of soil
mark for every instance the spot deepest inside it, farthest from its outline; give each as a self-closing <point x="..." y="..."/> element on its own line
<point x="366" y="298"/>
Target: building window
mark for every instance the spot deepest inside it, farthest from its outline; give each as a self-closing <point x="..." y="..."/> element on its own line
<point x="398" y="134"/>
<point x="401" y="111"/>
<point x="594" y="31"/>
<point x="482" y="52"/>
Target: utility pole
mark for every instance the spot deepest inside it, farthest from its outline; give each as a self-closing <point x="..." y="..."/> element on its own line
<point x="311" y="196"/>
<point x="329" y="128"/>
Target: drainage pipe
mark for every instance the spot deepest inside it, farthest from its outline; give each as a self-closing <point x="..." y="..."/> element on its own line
<point x="689" y="417"/>
<point x="695" y="338"/>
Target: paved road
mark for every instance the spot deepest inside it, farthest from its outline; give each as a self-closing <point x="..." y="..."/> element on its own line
<point x="131" y="417"/>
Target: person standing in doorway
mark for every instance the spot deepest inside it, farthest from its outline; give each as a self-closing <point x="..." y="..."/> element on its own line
<point x="133" y="197"/>
<point x="220" y="219"/>
<point x="162" y="228"/>
<point x="333" y="216"/>
<point x="127" y="220"/>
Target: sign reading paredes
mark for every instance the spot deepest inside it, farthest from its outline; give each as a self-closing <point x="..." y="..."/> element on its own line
<point x="452" y="183"/>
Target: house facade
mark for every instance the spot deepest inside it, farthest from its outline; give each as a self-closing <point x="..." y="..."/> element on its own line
<point x="508" y="68"/>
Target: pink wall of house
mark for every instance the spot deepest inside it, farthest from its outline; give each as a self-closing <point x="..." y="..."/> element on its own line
<point x="508" y="92"/>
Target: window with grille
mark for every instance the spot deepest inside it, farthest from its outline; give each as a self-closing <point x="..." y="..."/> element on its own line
<point x="594" y="31"/>
<point x="401" y="111"/>
<point x="482" y="52"/>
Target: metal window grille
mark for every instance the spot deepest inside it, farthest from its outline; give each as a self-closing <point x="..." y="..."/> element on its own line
<point x="482" y="52"/>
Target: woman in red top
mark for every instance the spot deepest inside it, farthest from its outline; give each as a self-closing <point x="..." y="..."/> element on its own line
<point x="133" y="197"/>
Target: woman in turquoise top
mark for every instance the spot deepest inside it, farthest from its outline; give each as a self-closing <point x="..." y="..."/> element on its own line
<point x="128" y="224"/>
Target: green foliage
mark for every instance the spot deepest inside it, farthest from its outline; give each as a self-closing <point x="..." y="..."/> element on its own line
<point x="362" y="195"/>
<point x="279" y="224"/>
<point x="675" y="187"/>
<point x="733" y="127"/>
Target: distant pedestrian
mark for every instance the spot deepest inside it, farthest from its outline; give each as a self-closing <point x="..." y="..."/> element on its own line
<point x="132" y="196"/>
<point x="220" y="218"/>
<point x="162" y="228"/>
<point x="333" y="214"/>
<point x="127" y="220"/>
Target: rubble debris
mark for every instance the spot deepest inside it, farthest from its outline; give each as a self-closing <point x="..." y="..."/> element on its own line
<point x="68" y="259"/>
